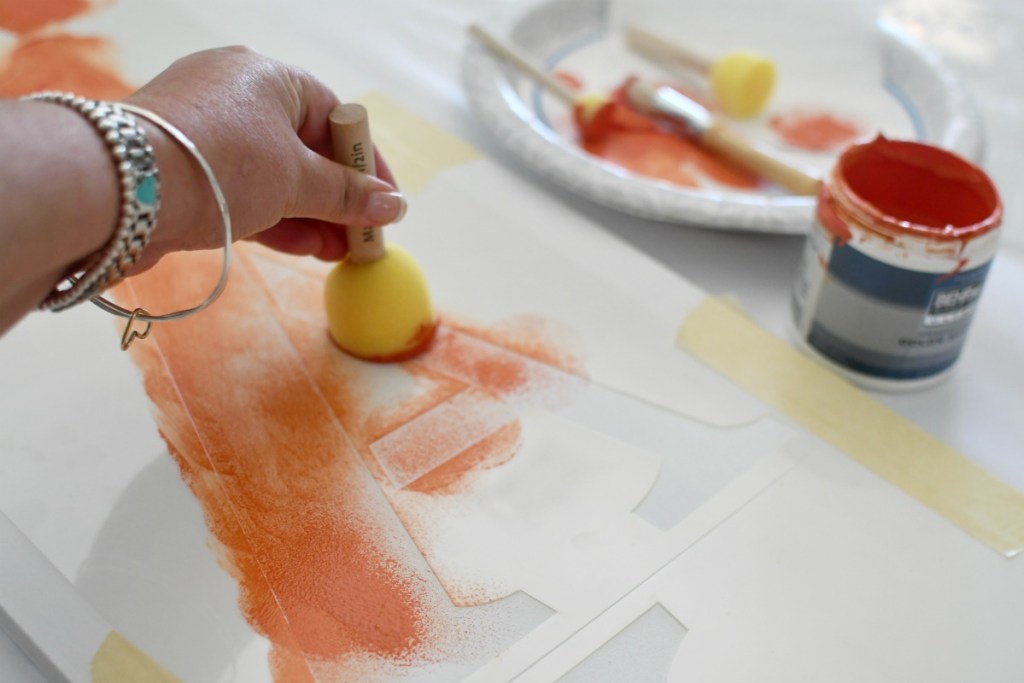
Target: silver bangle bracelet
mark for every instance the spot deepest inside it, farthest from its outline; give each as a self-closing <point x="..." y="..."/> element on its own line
<point x="139" y="183"/>
<point x="140" y="201"/>
<point x="141" y="315"/>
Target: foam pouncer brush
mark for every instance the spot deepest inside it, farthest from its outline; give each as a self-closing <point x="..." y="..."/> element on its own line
<point x="377" y="299"/>
<point x="741" y="82"/>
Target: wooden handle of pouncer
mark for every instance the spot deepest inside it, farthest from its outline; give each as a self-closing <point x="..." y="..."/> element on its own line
<point x="732" y="146"/>
<point x="353" y="147"/>
<point x="665" y="52"/>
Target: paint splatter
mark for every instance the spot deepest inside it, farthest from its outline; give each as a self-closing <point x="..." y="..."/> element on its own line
<point x="291" y="447"/>
<point x="658" y="149"/>
<point x="815" y="132"/>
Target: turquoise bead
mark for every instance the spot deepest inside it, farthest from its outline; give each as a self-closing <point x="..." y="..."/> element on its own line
<point x="145" y="192"/>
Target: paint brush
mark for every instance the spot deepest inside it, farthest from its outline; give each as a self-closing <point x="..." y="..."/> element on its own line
<point x="668" y="102"/>
<point x="519" y="60"/>
<point x="589" y="103"/>
<point x="701" y="124"/>
<point x="741" y="81"/>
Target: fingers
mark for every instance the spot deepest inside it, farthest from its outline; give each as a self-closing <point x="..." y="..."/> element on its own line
<point x="289" y="180"/>
<point x="330" y="192"/>
<point x="383" y="170"/>
<point x="313" y="127"/>
<point x="300" y="237"/>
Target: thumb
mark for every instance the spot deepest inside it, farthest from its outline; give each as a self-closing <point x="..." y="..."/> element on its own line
<point x="332" y="192"/>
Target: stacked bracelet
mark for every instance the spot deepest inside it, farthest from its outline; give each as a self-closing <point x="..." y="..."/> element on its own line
<point x="140" y="200"/>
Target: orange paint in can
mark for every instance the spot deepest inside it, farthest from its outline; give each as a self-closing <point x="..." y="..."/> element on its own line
<point x="894" y="265"/>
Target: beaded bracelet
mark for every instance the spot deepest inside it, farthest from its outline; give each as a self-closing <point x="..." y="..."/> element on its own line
<point x="140" y="200"/>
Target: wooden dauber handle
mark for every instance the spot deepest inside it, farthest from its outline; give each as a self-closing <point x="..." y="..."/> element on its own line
<point x="353" y="147"/>
<point x="663" y="51"/>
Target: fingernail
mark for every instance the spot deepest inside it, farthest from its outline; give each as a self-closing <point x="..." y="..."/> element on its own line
<point x="385" y="207"/>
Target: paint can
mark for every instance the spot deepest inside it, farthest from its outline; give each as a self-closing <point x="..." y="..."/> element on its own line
<point x="903" y="237"/>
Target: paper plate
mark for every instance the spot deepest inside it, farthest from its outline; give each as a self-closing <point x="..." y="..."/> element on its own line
<point x="875" y="75"/>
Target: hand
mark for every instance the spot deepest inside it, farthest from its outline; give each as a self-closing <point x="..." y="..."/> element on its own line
<point x="262" y="125"/>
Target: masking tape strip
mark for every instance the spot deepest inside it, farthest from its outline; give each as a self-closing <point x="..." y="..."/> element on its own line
<point x="891" y="446"/>
<point x="416" y="150"/>
<point x="65" y="638"/>
<point x="117" y="661"/>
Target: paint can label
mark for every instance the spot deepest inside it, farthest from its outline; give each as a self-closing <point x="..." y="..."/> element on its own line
<point x="878" y="318"/>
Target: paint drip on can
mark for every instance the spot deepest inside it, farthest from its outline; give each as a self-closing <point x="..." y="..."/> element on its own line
<point x="902" y="241"/>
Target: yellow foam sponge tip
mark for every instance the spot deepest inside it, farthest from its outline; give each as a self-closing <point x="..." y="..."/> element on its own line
<point x="589" y="104"/>
<point x="742" y="83"/>
<point x="381" y="310"/>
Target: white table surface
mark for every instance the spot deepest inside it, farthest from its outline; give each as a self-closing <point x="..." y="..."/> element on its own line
<point x="977" y="410"/>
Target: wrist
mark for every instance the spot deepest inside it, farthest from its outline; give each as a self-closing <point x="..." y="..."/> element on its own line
<point x="65" y="184"/>
<point x="188" y="216"/>
<point x="139" y="198"/>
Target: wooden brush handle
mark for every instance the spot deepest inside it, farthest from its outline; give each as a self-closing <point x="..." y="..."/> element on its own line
<point x="732" y="146"/>
<point x="523" y="63"/>
<point x="665" y="52"/>
<point x="353" y="147"/>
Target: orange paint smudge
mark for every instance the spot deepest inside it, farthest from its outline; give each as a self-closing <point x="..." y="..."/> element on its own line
<point x="533" y="338"/>
<point x="828" y="217"/>
<point x="507" y="360"/>
<point x="283" y="441"/>
<point x="417" y="344"/>
<point x="492" y="451"/>
<point x="438" y="435"/>
<point x="25" y="16"/>
<point x="62" y="62"/>
<point x="286" y="496"/>
<point x="574" y="82"/>
<point x="654" y="147"/>
<point x="816" y="132"/>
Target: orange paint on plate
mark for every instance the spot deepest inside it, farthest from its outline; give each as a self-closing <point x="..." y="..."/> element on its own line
<point x="275" y="430"/>
<point x="654" y="148"/>
<point x="62" y="62"/>
<point x="816" y="132"/>
<point x="25" y="16"/>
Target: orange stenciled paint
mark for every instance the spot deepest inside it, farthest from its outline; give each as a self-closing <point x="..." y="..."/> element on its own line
<point x="443" y="441"/>
<point x="285" y="494"/>
<point x="274" y="430"/>
<point x="656" y="149"/>
<point x="25" y="16"/>
<point x="493" y="450"/>
<point x="816" y="132"/>
<point x="62" y="62"/>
